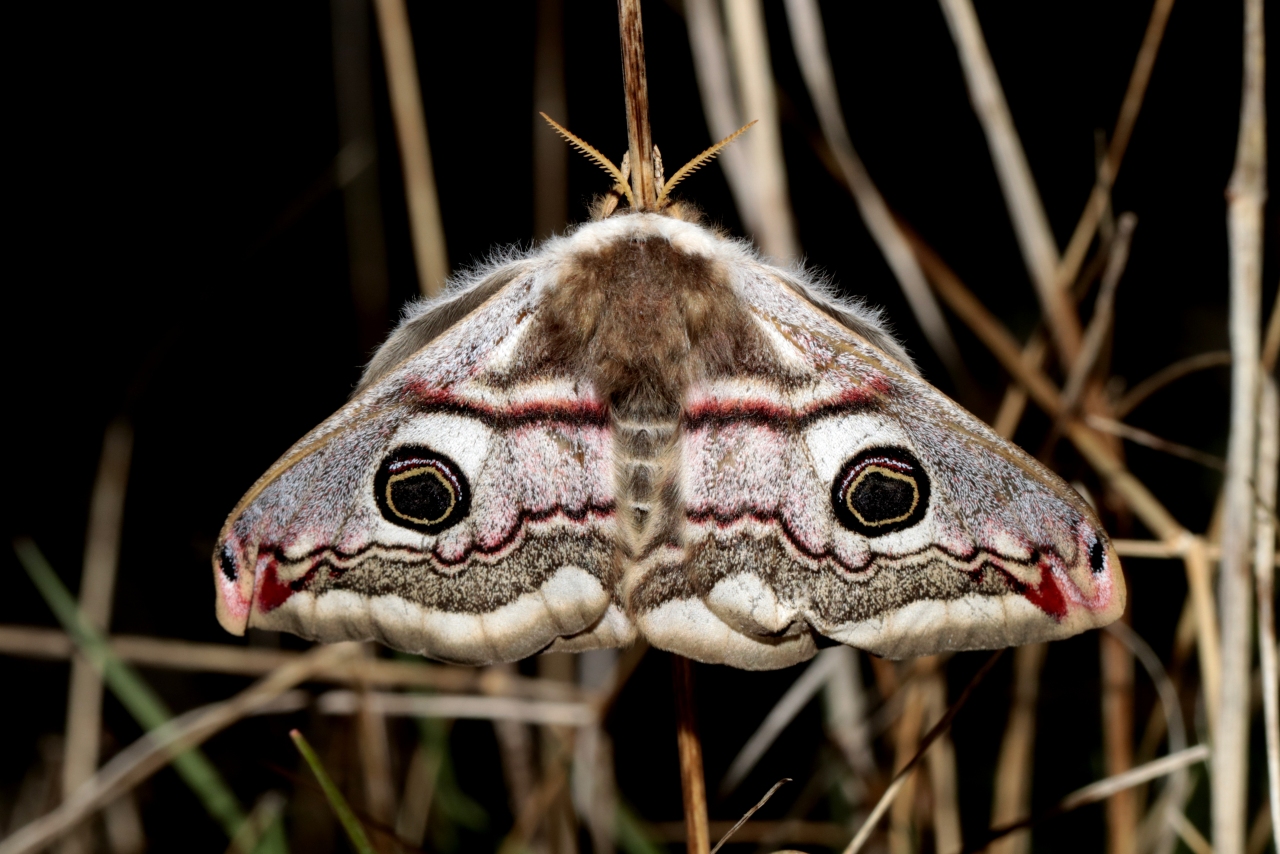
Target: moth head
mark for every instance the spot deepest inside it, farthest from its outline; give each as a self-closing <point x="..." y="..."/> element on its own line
<point x="621" y="174"/>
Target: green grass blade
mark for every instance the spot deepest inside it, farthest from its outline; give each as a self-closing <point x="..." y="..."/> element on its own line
<point x="351" y="824"/>
<point x="633" y="836"/>
<point x="133" y="692"/>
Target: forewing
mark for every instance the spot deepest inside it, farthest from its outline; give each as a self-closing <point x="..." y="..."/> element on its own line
<point x="842" y="496"/>
<point x="450" y="509"/>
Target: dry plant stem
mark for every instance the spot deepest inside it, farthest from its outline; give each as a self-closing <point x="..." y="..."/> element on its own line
<point x="97" y="586"/>
<point x="153" y="751"/>
<point x="943" y="778"/>
<point x="692" y="785"/>
<point x="750" y="57"/>
<point x="846" y="710"/>
<point x="906" y="744"/>
<point x="790" y="704"/>
<point x="636" y="87"/>
<point x="899" y="779"/>
<point x="1166" y="375"/>
<point x="1030" y="224"/>
<point x="375" y="757"/>
<point x="1189" y="833"/>
<point x="425" y="222"/>
<point x="715" y="85"/>
<point x="747" y="815"/>
<point x="1150" y="440"/>
<point x="811" y="51"/>
<point x="419" y="791"/>
<point x="1017" y="752"/>
<point x="1098" y="791"/>
<point x="1271" y="340"/>
<point x="1078" y="247"/>
<point x="550" y="157"/>
<point x="1098" y="332"/>
<point x="1246" y="195"/>
<point x="173" y="654"/>
<point x="1264" y="572"/>
<point x="1100" y="457"/>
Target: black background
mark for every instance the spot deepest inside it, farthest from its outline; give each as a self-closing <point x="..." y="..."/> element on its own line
<point x="165" y="263"/>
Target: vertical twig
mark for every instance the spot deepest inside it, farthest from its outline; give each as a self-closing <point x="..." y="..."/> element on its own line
<point x="419" y="792"/>
<point x="636" y="86"/>
<point x="943" y="779"/>
<point x="415" y="150"/>
<point x="846" y="708"/>
<point x="715" y="86"/>
<point x="1246" y="195"/>
<point x="1030" y="224"/>
<point x="906" y="744"/>
<point x="811" y="51"/>
<point x="692" y="785"/>
<point x="550" y="155"/>
<point x="1117" y="739"/>
<point x="356" y="170"/>
<point x="1017" y="751"/>
<point x="1265" y="570"/>
<point x="750" y="52"/>
<point x="97" y="588"/>
<point x="1074" y="255"/>
<point x="375" y="756"/>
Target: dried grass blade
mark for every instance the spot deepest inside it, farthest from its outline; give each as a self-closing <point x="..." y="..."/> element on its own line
<point x="900" y="778"/>
<point x="155" y="750"/>
<point x="1017" y="751"/>
<point x="1030" y="223"/>
<point x="350" y="824"/>
<point x="1100" y="790"/>
<point x="810" y="43"/>
<point x="790" y="704"/>
<point x="134" y="693"/>
<point x="429" y="250"/>
<point x="1166" y="375"/>
<point x="747" y="815"/>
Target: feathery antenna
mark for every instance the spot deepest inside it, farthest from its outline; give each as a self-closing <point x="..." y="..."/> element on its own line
<point x="619" y="179"/>
<point x="698" y="162"/>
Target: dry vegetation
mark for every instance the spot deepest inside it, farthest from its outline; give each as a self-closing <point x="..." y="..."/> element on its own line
<point x="1184" y="731"/>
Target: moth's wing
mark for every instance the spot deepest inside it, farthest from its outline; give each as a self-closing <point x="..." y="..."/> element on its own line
<point x="995" y="551"/>
<point x="460" y="506"/>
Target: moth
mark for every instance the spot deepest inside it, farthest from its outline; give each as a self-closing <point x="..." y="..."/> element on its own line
<point x="642" y="428"/>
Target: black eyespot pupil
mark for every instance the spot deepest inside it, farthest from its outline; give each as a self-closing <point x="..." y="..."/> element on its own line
<point x="879" y="497"/>
<point x="227" y="564"/>
<point x="422" y="494"/>
<point x="879" y="491"/>
<point x="421" y="489"/>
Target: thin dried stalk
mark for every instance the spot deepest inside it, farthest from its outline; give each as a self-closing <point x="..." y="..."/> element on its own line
<point x="375" y="756"/>
<point x="265" y="812"/>
<point x="550" y="157"/>
<point x="419" y="792"/>
<point x="906" y="744"/>
<point x="769" y="833"/>
<point x="1264" y="570"/>
<point x="1150" y="440"/>
<point x="1074" y="255"/>
<point x="454" y="706"/>
<point x="846" y="708"/>
<point x="943" y="779"/>
<point x="425" y="222"/>
<point x="1098" y="332"/>
<point x="899" y="779"/>
<point x="1190" y="834"/>
<point x="1246" y="195"/>
<point x="154" y="750"/>
<point x="715" y="85"/>
<point x="174" y="654"/>
<point x="750" y="56"/>
<point x="1026" y="211"/>
<point x="97" y="586"/>
<point x="1017" y="751"/>
<point x="790" y="704"/>
<point x="747" y="815"/>
<point x="1166" y="375"/>
<point x="692" y="784"/>
<point x="810" y="42"/>
<point x="1100" y="790"/>
<point x="636" y="89"/>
